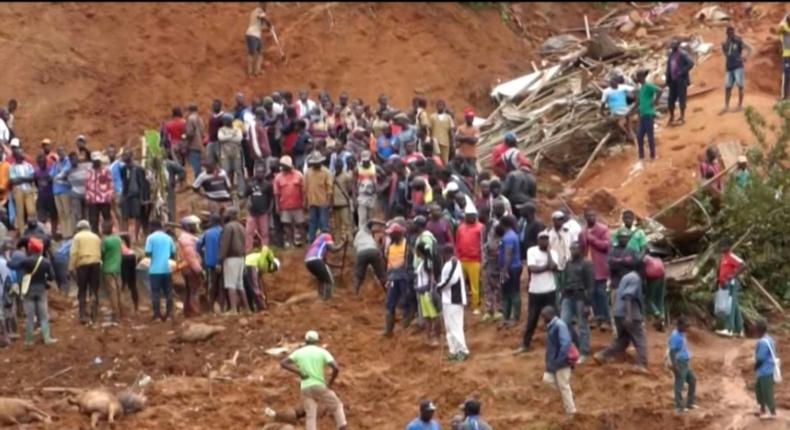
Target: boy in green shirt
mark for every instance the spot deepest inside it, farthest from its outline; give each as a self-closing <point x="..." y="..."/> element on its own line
<point x="638" y="240"/>
<point x="648" y="96"/>
<point x="260" y="260"/>
<point x="111" y="268"/>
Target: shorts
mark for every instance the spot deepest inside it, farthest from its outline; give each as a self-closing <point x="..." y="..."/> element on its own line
<point x="427" y="308"/>
<point x="733" y="77"/>
<point x="254" y="44"/>
<point x="131" y="208"/>
<point x="293" y="216"/>
<point x="233" y="273"/>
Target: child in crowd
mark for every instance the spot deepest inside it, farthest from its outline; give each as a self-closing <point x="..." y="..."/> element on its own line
<point x="679" y="357"/>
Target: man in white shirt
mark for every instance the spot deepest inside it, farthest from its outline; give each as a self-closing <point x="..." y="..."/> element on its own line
<point x="5" y="131"/>
<point x="542" y="264"/>
<point x="453" y="301"/>
<point x="564" y="232"/>
<point x="304" y="105"/>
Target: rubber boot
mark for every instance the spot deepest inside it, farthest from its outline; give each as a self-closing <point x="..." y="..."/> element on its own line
<point x="45" y="333"/>
<point x="408" y="317"/>
<point x="389" y="324"/>
<point x="4" y="340"/>
<point x="28" y="338"/>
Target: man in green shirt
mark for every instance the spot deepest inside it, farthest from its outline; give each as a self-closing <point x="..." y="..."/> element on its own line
<point x="638" y="240"/>
<point x="648" y="96"/>
<point x="111" y="268"/>
<point x="741" y="173"/>
<point x="308" y="362"/>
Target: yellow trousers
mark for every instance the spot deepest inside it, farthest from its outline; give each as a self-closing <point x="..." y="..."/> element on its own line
<point x="25" y="206"/>
<point x="472" y="273"/>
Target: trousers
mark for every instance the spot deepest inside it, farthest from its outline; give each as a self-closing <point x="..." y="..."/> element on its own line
<point x="230" y="159"/>
<point x="88" y="281"/>
<point x="471" y="271"/>
<point x="35" y="304"/>
<point x="511" y="295"/>
<point x="112" y="287"/>
<point x="315" y="396"/>
<point x="561" y="379"/>
<point x="256" y="224"/>
<point x="161" y="284"/>
<point x="683" y="376"/>
<point x="368" y="258"/>
<point x="63" y="206"/>
<point x="453" y="316"/>
<point x="646" y="128"/>
<point x="600" y="302"/>
<point x="571" y="309"/>
<point x="655" y="290"/>
<point x="536" y="303"/>
<point x="96" y="209"/>
<point x="764" y="390"/>
<point x="25" y="205"/>
<point x="318" y="218"/>
<point x="492" y="291"/>
<point x="628" y="334"/>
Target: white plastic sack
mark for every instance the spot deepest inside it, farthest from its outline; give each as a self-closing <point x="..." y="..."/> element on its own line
<point x="723" y="303"/>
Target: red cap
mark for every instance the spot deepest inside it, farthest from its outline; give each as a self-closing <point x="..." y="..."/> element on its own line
<point x="34" y="246"/>
<point x="468" y="111"/>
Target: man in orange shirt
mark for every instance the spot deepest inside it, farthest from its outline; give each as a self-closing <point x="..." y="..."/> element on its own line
<point x="466" y="137"/>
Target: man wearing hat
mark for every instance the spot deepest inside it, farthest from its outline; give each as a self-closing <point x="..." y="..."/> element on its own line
<point x="230" y="152"/>
<point x="308" y="362"/>
<point x="318" y="193"/>
<point x="85" y="262"/>
<point x="98" y="191"/>
<point x="425" y="420"/>
<point x="190" y="264"/>
<point x="560" y="239"/>
<point x="289" y="201"/>
<point x="468" y="245"/>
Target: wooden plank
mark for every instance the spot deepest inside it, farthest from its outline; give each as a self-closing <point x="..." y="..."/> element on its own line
<point x="694" y="191"/>
<point x="592" y="156"/>
<point x="767" y="295"/>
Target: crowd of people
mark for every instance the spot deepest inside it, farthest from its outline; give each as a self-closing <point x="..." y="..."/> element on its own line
<point x="403" y="187"/>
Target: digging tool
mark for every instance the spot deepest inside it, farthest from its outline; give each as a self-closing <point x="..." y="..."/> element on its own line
<point x="279" y="46"/>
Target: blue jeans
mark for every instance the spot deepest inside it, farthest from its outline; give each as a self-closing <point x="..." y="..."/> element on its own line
<point x="600" y="302"/>
<point x="646" y="128"/>
<point x="574" y="308"/>
<point x="318" y="218"/>
<point x="161" y="284"/>
<point x="194" y="161"/>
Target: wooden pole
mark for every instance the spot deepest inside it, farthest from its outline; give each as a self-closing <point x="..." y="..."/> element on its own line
<point x="766" y="294"/>
<point x="694" y="191"/>
<point x="587" y="27"/>
<point x="592" y="156"/>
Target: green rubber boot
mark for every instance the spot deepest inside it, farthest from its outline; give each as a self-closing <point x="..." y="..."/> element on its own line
<point x="45" y="333"/>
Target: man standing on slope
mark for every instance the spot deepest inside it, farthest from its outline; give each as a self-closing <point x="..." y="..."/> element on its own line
<point x="308" y="362"/>
<point x="258" y="20"/>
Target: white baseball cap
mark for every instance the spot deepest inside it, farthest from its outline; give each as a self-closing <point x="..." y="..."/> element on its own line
<point x="311" y="336"/>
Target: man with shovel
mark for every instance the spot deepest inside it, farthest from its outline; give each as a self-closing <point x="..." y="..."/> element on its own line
<point x="258" y="21"/>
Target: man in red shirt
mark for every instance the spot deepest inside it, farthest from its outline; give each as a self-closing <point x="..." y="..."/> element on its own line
<point x="289" y="201"/>
<point x="98" y="191"/>
<point x="497" y="159"/>
<point x="468" y="247"/>
<point x="730" y="266"/>
<point x="174" y="132"/>
<point x="595" y="246"/>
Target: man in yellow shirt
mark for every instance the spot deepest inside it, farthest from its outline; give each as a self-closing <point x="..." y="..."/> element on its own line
<point x="85" y="266"/>
<point x="784" y="33"/>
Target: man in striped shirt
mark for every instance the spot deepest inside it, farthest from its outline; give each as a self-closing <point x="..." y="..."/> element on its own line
<point x="22" y="177"/>
<point x="214" y="183"/>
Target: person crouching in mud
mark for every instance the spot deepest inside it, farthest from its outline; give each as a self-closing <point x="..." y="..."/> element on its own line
<point x="315" y="261"/>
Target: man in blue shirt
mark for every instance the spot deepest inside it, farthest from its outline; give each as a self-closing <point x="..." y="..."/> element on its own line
<point x="160" y="248"/>
<point x="558" y="368"/>
<point x="510" y="268"/>
<point x="117" y="184"/>
<point x="425" y="421"/>
<point x="764" y="366"/>
<point x="61" y="189"/>
<point x="679" y="358"/>
<point x="208" y="248"/>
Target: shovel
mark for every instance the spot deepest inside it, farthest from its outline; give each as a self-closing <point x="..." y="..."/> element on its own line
<point x="279" y="46"/>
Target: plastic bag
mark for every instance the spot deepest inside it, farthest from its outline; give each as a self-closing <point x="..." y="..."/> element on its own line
<point x="723" y="303"/>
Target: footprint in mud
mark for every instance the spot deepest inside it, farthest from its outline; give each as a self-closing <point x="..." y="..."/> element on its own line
<point x="677" y="147"/>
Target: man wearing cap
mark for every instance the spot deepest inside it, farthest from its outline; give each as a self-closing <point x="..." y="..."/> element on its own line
<point x="741" y="174"/>
<point x="308" y="363"/>
<point x="289" y="201"/>
<point x="466" y="138"/>
<point x="495" y="185"/>
<point x="442" y="131"/>
<point x="193" y="132"/>
<point x="35" y="298"/>
<point x="190" y="264"/>
<point x="98" y="191"/>
<point x="230" y="152"/>
<point x="560" y="239"/>
<point x="425" y="420"/>
<point x="497" y="161"/>
<point x="318" y="194"/>
<point x="21" y="174"/>
<point x="160" y="248"/>
<point x="542" y="263"/>
<point x="468" y="245"/>
<point x="85" y="262"/>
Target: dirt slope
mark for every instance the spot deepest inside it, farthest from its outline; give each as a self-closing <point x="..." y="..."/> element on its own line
<point x="109" y="70"/>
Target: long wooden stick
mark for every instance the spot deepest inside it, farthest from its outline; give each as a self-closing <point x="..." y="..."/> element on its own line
<point x="592" y="156"/>
<point x="767" y="295"/>
<point x="55" y="375"/>
<point x="694" y="191"/>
